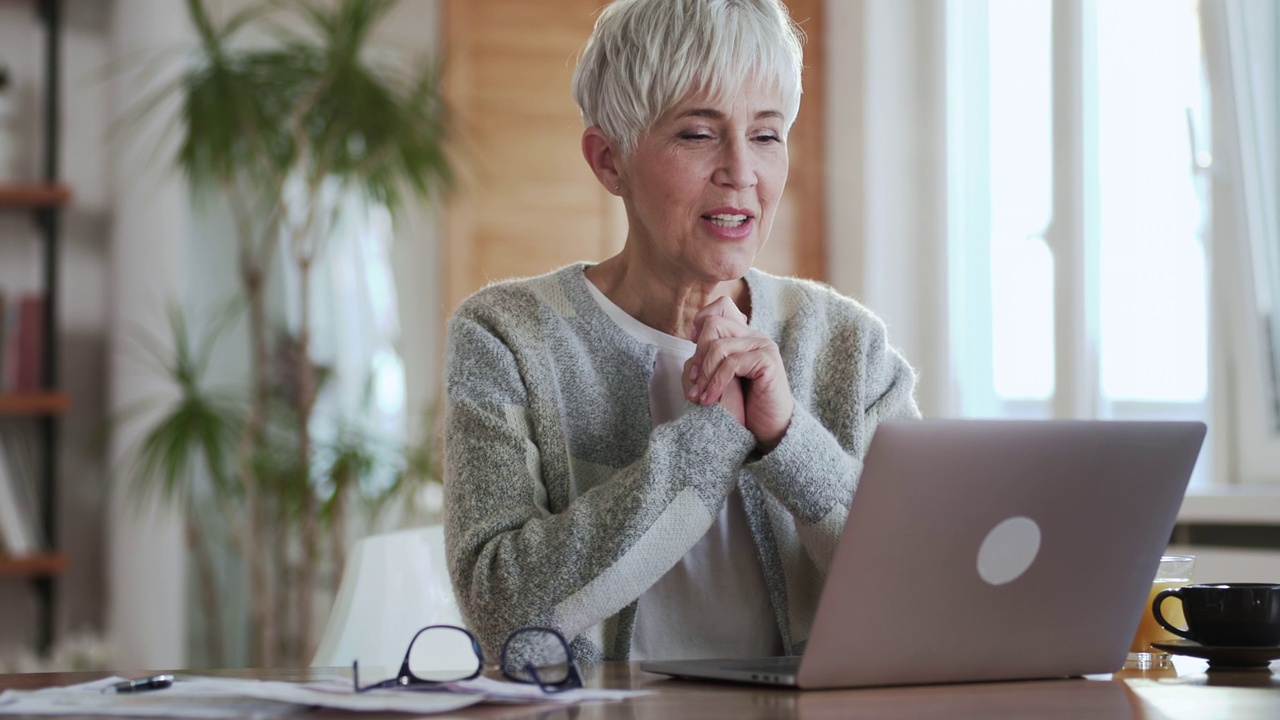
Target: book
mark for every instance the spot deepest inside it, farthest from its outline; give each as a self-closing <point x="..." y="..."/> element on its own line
<point x="17" y="518"/>
<point x="4" y="343"/>
<point x="9" y="353"/>
<point x="29" y="374"/>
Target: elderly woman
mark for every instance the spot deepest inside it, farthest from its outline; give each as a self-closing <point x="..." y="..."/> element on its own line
<point x="655" y="454"/>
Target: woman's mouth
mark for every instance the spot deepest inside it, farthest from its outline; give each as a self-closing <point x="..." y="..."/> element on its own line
<point x="727" y="220"/>
<point x="729" y="223"/>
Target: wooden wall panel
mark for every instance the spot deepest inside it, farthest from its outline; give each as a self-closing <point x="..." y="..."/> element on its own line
<point x="804" y="236"/>
<point x="527" y="203"/>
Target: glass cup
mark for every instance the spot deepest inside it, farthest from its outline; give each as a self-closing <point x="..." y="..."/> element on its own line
<point x="1175" y="571"/>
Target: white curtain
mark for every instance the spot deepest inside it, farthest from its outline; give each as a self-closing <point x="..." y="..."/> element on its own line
<point x="1242" y="45"/>
<point x="355" y="330"/>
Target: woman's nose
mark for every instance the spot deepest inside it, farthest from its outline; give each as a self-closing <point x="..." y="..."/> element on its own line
<point x="736" y="167"/>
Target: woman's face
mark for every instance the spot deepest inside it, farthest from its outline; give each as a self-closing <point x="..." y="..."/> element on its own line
<point x="702" y="185"/>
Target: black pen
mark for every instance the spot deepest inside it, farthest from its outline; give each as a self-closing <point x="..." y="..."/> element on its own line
<point x="155" y="682"/>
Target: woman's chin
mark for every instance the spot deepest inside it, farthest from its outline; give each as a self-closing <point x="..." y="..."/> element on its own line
<point x="726" y="269"/>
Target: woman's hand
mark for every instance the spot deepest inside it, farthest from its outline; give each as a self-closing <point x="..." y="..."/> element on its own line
<point x="737" y="366"/>
<point x="731" y="398"/>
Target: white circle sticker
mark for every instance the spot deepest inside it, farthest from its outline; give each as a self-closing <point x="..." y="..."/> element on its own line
<point x="1008" y="550"/>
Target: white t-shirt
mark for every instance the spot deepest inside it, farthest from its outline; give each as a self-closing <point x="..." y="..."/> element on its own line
<point x="714" y="602"/>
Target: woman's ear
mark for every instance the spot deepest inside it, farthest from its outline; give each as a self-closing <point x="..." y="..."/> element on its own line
<point x="602" y="155"/>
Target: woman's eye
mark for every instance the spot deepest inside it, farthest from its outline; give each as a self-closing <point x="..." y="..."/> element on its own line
<point x="768" y="138"/>
<point x="694" y="135"/>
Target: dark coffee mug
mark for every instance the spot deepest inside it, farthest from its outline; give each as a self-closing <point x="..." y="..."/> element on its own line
<point x="1226" y="615"/>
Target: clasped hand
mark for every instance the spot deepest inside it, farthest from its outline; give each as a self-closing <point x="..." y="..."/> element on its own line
<point x="741" y="369"/>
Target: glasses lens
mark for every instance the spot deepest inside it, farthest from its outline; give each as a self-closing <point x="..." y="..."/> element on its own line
<point x="536" y="650"/>
<point x="441" y="654"/>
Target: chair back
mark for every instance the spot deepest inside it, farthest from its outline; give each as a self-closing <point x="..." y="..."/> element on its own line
<point x="393" y="585"/>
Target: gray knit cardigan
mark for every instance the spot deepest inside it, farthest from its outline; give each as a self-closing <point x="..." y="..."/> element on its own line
<point x="563" y="503"/>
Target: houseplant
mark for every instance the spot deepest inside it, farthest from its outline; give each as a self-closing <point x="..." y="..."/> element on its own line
<point x="282" y="133"/>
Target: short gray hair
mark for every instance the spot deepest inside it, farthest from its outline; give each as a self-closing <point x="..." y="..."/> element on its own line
<point x="645" y="56"/>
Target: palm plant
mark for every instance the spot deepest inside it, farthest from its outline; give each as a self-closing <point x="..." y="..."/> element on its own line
<point x="193" y="437"/>
<point x="281" y="134"/>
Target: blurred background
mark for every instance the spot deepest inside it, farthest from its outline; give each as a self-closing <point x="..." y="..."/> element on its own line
<point x="1061" y="208"/>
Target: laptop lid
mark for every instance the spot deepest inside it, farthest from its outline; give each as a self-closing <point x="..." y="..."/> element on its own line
<point x="991" y="550"/>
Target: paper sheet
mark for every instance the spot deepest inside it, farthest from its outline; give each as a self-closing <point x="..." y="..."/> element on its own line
<point x="210" y="698"/>
<point x="499" y="691"/>
<point x="88" y="699"/>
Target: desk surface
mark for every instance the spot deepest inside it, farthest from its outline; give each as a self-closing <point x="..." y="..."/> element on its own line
<point x="1191" y="693"/>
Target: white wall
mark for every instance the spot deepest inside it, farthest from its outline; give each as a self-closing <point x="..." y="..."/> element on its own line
<point x="416" y="253"/>
<point x="887" y="174"/>
<point x="146" y="558"/>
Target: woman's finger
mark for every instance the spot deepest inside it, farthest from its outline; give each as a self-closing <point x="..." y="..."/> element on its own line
<point x="752" y="365"/>
<point x="723" y="360"/>
<point x="730" y="396"/>
<point x="713" y="328"/>
<point x="720" y="309"/>
<point x="733" y="359"/>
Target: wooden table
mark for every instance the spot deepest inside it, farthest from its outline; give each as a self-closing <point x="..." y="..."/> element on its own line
<point x="1190" y="692"/>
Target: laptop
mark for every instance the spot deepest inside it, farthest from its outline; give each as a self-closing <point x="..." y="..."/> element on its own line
<point x="980" y="550"/>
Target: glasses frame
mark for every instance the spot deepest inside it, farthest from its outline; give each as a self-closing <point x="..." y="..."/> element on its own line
<point x="572" y="680"/>
<point x="406" y="680"/>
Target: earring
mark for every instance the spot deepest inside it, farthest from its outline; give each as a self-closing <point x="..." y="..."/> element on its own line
<point x="617" y="188"/>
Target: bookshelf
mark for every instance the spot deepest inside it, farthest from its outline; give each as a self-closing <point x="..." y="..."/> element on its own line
<point x="31" y="197"/>
<point x="34" y="404"/>
<point x="42" y="565"/>
<point x="41" y="406"/>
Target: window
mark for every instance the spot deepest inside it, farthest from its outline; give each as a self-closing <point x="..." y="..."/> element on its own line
<point x="1077" y="205"/>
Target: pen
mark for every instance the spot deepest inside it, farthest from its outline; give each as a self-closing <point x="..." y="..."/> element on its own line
<point x="155" y="682"/>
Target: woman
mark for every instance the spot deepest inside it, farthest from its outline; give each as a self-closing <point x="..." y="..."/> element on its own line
<point x="655" y="454"/>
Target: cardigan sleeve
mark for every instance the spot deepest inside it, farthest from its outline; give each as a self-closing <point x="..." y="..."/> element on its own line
<point x="814" y="471"/>
<point x="515" y="560"/>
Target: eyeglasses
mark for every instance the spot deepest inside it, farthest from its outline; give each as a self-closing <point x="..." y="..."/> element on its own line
<point x="441" y="654"/>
